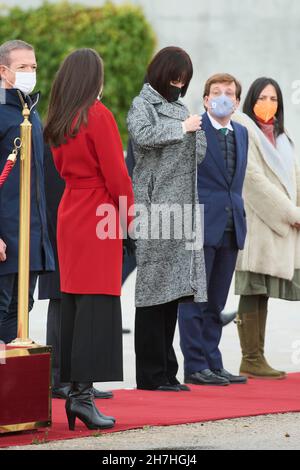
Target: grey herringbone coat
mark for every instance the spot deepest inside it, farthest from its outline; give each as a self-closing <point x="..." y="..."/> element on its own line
<point x="166" y="173"/>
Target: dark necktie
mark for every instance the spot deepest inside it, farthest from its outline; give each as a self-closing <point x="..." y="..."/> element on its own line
<point x="224" y="130"/>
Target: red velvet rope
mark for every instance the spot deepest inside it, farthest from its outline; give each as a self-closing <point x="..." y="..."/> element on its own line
<point x="6" y="171"/>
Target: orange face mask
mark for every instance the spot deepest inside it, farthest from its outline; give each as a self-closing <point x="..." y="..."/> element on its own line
<point x="265" y="110"/>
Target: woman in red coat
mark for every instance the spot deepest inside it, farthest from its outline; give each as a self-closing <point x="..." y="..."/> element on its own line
<point x="88" y="154"/>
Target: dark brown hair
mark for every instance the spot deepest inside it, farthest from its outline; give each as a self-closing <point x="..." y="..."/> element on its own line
<point x="75" y="88"/>
<point x="254" y="93"/>
<point x="170" y="64"/>
<point x="222" y="78"/>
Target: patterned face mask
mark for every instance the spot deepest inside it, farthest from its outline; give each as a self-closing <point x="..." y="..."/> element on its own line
<point x="221" y="106"/>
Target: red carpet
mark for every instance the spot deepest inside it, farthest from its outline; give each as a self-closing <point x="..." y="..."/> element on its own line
<point x="136" y="409"/>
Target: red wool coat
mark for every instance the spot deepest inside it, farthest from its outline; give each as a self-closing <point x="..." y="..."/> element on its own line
<point x="93" y="167"/>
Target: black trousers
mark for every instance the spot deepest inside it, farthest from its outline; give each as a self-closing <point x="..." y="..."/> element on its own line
<point x="156" y="362"/>
<point x="53" y="339"/>
<point x="9" y="304"/>
<point x="199" y="323"/>
<point x="91" y="338"/>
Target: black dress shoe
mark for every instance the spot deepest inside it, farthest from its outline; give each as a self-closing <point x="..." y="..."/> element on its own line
<point x="99" y="394"/>
<point x="233" y="379"/>
<point x="182" y="387"/>
<point x="205" y="377"/>
<point x="167" y="388"/>
<point x="227" y="318"/>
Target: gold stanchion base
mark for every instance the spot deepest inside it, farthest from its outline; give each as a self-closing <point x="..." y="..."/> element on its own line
<point x="23" y="343"/>
<point x="25" y="400"/>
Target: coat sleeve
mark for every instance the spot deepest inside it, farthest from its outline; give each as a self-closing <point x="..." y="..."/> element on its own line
<point x="147" y="135"/>
<point x="130" y="159"/>
<point x="267" y="201"/>
<point x="109" y="150"/>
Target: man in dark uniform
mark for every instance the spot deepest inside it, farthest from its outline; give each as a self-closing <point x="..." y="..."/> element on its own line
<point x="18" y="79"/>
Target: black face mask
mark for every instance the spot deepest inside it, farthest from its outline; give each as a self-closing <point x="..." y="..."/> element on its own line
<point x="174" y="93"/>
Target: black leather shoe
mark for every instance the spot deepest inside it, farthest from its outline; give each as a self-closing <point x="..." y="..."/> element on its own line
<point x="233" y="379"/>
<point x="227" y="318"/>
<point x="61" y="392"/>
<point x="104" y="395"/>
<point x="205" y="377"/>
<point x="167" y="388"/>
<point x="183" y="388"/>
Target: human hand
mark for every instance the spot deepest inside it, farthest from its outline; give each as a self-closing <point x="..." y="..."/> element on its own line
<point x="193" y="123"/>
<point x="2" y="251"/>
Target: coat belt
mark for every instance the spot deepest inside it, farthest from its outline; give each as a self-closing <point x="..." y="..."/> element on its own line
<point x="84" y="183"/>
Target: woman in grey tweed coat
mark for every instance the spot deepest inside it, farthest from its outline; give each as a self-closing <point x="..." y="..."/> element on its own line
<point x="168" y="145"/>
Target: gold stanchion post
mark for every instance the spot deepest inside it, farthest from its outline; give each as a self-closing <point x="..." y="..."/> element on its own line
<point x="24" y="232"/>
<point x="23" y="357"/>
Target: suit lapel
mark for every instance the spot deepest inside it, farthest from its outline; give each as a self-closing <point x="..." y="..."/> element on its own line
<point x="213" y="146"/>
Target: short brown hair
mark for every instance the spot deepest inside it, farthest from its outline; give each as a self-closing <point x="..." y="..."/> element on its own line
<point x="222" y="78"/>
<point x="170" y="63"/>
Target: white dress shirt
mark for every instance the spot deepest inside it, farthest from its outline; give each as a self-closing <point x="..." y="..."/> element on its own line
<point x="217" y="125"/>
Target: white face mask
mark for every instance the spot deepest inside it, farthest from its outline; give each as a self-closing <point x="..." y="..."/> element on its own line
<point x="25" y="81"/>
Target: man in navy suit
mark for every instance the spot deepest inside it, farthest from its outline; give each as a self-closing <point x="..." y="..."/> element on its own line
<point x="220" y="183"/>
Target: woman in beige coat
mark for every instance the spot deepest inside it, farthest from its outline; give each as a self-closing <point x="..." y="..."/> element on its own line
<point x="269" y="266"/>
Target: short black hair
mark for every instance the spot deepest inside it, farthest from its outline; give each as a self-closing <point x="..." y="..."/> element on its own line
<point x="254" y="93"/>
<point x="170" y="64"/>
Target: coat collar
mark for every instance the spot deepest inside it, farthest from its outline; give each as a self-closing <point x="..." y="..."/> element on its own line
<point x="277" y="162"/>
<point x="11" y="97"/>
<point x="175" y="110"/>
<point x="150" y="95"/>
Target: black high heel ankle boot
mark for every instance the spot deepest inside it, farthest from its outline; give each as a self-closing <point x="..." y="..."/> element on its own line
<point x="80" y="404"/>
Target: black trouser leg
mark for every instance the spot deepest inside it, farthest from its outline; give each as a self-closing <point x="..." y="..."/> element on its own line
<point x="9" y="304"/>
<point x="8" y="283"/>
<point x="68" y="316"/>
<point x="154" y="333"/>
<point x="53" y="339"/>
<point x="170" y="322"/>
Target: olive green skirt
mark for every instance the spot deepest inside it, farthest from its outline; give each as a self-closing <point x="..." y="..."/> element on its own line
<point x="248" y="283"/>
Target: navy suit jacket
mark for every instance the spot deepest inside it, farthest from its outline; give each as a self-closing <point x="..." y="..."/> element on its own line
<point x="216" y="192"/>
<point x="41" y="254"/>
